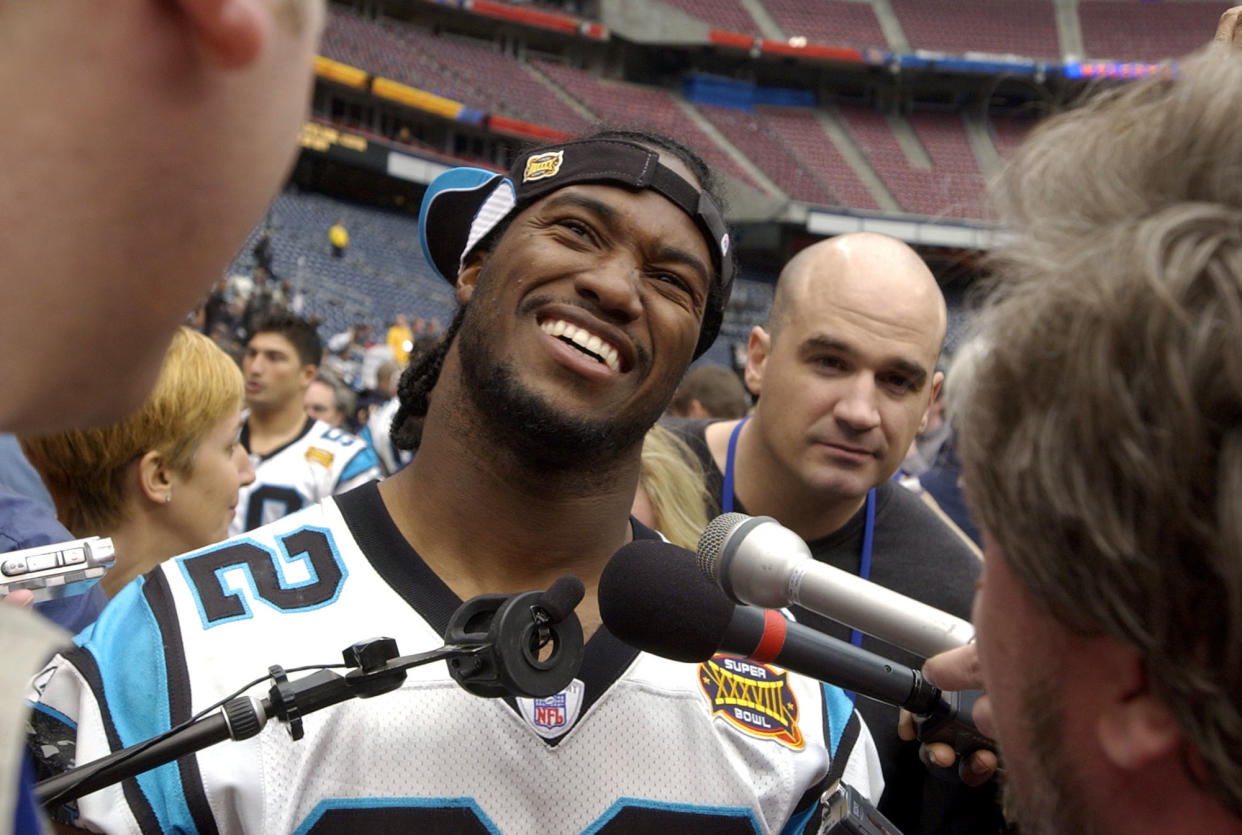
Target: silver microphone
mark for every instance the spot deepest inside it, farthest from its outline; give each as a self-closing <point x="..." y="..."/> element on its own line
<point x="757" y="560"/>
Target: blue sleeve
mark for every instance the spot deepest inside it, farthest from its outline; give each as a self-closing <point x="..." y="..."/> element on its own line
<point x="362" y="461"/>
<point x="125" y="657"/>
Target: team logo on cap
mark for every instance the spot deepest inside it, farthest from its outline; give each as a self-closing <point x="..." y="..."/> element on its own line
<point x="754" y="698"/>
<point x="542" y="166"/>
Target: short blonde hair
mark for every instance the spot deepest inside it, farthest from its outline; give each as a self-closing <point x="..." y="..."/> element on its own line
<point x="85" y="469"/>
<point x="673" y="479"/>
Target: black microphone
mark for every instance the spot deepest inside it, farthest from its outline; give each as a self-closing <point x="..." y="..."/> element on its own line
<point x="756" y="560"/>
<point x="653" y="597"/>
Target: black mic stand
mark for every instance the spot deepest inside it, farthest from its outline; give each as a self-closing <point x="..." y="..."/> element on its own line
<point x="501" y="646"/>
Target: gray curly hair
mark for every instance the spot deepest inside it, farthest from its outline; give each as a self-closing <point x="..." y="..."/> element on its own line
<point x="1101" y="432"/>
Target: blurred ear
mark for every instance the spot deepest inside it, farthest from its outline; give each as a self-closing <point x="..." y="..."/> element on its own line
<point x="937" y="382"/>
<point x="153" y="477"/>
<point x="232" y="32"/>
<point x="1229" y="29"/>
<point x="757" y="349"/>
<point x="468" y="276"/>
<point x="1135" y="728"/>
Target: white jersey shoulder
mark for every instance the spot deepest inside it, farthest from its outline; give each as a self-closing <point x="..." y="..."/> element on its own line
<point x="321" y="462"/>
<point x="379" y="428"/>
<point x="727" y="744"/>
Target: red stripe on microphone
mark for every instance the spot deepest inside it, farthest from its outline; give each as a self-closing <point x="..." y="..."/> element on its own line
<point x="773" y="640"/>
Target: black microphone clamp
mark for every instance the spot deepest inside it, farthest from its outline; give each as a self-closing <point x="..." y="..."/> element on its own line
<point x="525" y="650"/>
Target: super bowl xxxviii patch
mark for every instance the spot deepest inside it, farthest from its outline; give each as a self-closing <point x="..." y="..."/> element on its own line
<point x="754" y="698"/>
<point x="319" y="456"/>
<point x="542" y="166"/>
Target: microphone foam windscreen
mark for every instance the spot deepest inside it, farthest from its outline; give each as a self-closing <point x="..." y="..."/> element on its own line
<point x="561" y="597"/>
<point x="653" y="597"/>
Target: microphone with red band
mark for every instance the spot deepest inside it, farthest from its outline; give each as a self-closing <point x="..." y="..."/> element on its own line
<point x="653" y="597"/>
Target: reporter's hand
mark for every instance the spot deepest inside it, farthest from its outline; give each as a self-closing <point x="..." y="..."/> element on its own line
<point x="1229" y="29"/>
<point x="957" y="669"/>
<point x="21" y="597"/>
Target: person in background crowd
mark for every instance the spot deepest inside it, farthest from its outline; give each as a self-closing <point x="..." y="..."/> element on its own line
<point x="329" y="400"/>
<point x="844" y="372"/>
<point x="378" y="428"/>
<point x="401" y="340"/>
<point x="106" y="236"/>
<point x="943" y="481"/>
<point x="710" y="391"/>
<point x="163" y="481"/>
<point x="338" y="237"/>
<point x="261" y="302"/>
<point x="297" y="460"/>
<point x="926" y="446"/>
<point x="671" y="497"/>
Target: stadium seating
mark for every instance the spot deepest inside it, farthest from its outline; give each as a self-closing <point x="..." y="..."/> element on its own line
<point x="1019" y="27"/>
<point x="752" y="135"/>
<point x="382" y="273"/>
<point x="1129" y="30"/>
<point x="467" y="71"/>
<point x="627" y="105"/>
<point x="1008" y="131"/>
<point x="834" y="22"/>
<point x="953" y="187"/>
<point x="798" y="129"/>
<point x="729" y="15"/>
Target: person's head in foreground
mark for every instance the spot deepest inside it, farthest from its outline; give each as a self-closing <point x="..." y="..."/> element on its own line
<point x="1101" y="444"/>
<point x="196" y="107"/>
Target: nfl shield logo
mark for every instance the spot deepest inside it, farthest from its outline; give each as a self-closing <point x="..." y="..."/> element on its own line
<point x="553" y="716"/>
<point x="550" y="712"/>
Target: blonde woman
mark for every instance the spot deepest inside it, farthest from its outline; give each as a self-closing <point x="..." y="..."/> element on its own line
<point x="671" y="497"/>
<point x="164" y="480"/>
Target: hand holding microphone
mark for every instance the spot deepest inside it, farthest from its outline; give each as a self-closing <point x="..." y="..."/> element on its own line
<point x="957" y="669"/>
<point x="652" y="597"/>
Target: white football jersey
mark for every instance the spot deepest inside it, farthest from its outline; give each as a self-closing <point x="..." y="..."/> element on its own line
<point x="635" y="744"/>
<point x="378" y="432"/>
<point x="320" y="462"/>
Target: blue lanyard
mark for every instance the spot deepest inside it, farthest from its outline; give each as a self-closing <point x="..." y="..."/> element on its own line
<point x="726" y="506"/>
<point x="726" y="492"/>
<point x="864" y="561"/>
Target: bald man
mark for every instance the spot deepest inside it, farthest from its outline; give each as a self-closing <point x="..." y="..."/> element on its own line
<point x="845" y="371"/>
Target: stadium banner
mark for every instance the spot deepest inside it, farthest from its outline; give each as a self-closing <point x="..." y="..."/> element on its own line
<point x="341" y="73"/>
<point x="344" y="146"/>
<point x="416" y="98"/>
<point x="537" y="18"/>
<point x="734" y="39"/>
<point x="524" y="130"/>
<point x="821" y="52"/>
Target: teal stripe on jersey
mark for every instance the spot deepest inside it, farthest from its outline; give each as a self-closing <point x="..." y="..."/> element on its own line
<point x="128" y="646"/>
<point x="363" y="461"/>
<point x="840" y="709"/>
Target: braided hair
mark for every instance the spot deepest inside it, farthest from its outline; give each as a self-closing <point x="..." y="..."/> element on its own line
<point x="414" y="389"/>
